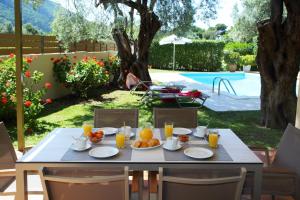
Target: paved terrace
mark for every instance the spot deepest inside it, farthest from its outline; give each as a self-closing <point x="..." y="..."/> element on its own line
<point x="224" y="102"/>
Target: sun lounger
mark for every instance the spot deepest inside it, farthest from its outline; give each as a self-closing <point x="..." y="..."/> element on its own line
<point x="179" y="98"/>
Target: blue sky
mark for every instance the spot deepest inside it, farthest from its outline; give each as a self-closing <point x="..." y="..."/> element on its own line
<point x="224" y="12"/>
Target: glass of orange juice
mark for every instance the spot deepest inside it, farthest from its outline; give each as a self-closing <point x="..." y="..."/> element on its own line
<point x="168" y="129"/>
<point x="213" y="139"/>
<point x="87" y="128"/>
<point x="120" y="140"/>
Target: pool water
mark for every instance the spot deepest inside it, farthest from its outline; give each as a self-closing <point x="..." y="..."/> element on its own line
<point x="244" y="84"/>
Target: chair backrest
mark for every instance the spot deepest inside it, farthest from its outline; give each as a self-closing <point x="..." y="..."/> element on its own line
<point x="69" y="183"/>
<point x="288" y="151"/>
<point x="116" y="117"/>
<point x="7" y="156"/>
<point x="213" y="185"/>
<point x="181" y="117"/>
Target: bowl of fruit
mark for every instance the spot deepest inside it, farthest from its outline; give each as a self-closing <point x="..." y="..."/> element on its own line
<point x="96" y="137"/>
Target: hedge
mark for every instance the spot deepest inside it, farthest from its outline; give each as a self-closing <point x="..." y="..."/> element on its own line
<point x="241" y="48"/>
<point x="201" y="55"/>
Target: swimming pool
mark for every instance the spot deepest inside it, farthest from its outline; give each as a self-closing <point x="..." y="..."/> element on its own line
<point x="245" y="84"/>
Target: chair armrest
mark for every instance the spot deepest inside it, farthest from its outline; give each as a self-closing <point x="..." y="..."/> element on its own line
<point x="277" y="170"/>
<point x="7" y="172"/>
<point x="265" y="150"/>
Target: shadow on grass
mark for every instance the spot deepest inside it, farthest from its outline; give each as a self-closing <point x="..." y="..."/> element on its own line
<point x="40" y="128"/>
<point x="70" y="100"/>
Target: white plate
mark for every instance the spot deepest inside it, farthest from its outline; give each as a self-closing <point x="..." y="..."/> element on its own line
<point x="147" y="148"/>
<point x="198" y="152"/>
<point x="108" y="130"/>
<point x="181" y="131"/>
<point x="167" y="148"/>
<point x="75" y="148"/>
<point x="103" y="152"/>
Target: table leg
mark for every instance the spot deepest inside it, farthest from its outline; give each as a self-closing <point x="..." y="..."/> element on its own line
<point x="21" y="184"/>
<point x="257" y="184"/>
<point x="141" y="185"/>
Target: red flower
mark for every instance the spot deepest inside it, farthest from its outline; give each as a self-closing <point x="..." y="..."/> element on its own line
<point x="100" y="63"/>
<point x="27" y="74"/>
<point x="85" y="58"/>
<point x="49" y="101"/>
<point x="48" y="85"/>
<point x="4" y="100"/>
<point x="94" y="58"/>
<point x="75" y="57"/>
<point x="27" y="104"/>
<point x="11" y="55"/>
<point x="1" y="60"/>
<point x="4" y="94"/>
<point x="57" y="60"/>
<point x="29" y="60"/>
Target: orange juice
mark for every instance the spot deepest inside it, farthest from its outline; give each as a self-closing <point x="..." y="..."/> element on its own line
<point x="168" y="129"/>
<point x="120" y="140"/>
<point x="213" y="140"/>
<point x="87" y="128"/>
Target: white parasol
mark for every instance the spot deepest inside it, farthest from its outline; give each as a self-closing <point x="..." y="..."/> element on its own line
<point x="175" y="40"/>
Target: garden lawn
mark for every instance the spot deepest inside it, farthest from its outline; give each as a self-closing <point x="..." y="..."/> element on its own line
<point x="72" y="112"/>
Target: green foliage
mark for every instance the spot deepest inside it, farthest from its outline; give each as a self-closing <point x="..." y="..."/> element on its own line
<point x="28" y="29"/>
<point x="36" y="12"/>
<point x="33" y="104"/>
<point x="179" y="13"/>
<point x="240" y="47"/>
<point x="248" y="60"/>
<point x="6" y="28"/>
<point x="87" y="74"/>
<point x="246" y="19"/>
<point x="231" y="58"/>
<point x="73" y="27"/>
<point x="200" y="55"/>
<point x="61" y="66"/>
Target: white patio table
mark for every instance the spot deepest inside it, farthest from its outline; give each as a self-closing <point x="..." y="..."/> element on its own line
<point x="54" y="150"/>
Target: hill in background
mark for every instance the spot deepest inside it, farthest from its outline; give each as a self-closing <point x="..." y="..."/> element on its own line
<point x="41" y="17"/>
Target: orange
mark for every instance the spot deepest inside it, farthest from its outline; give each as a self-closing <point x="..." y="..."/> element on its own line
<point x="89" y="134"/>
<point x="146" y="134"/>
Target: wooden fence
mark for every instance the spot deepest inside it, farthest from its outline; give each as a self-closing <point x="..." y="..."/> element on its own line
<point x="36" y="44"/>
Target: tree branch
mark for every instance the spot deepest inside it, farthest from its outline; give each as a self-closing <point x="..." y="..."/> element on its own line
<point x="145" y="2"/>
<point x="128" y="3"/>
<point x="276" y="11"/>
<point x="152" y="4"/>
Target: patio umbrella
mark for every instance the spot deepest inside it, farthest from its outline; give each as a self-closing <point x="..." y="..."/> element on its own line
<point x="175" y="40"/>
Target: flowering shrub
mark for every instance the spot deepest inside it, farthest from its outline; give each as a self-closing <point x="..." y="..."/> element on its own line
<point x="61" y="66"/>
<point x="112" y="64"/>
<point x="88" y="73"/>
<point x="33" y="103"/>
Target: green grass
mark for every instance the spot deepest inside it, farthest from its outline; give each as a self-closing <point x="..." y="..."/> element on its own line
<point x="72" y="112"/>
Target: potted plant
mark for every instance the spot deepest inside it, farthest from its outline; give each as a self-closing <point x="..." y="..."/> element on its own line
<point x="231" y="59"/>
<point x="248" y="61"/>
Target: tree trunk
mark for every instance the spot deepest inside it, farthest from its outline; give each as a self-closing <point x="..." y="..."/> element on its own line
<point x="278" y="60"/>
<point x="137" y="61"/>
